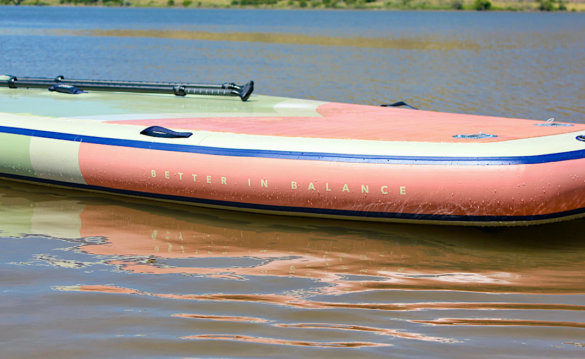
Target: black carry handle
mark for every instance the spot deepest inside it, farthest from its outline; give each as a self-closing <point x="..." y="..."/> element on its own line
<point x="227" y="89"/>
<point x="159" y="131"/>
<point x="399" y="104"/>
<point x="69" y="89"/>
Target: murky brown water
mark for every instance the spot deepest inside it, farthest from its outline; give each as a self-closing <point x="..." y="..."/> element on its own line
<point x="83" y="275"/>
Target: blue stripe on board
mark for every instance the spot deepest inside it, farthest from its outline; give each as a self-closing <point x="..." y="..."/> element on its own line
<point x="298" y="155"/>
<point x="308" y="210"/>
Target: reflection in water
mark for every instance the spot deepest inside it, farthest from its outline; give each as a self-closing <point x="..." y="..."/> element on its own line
<point x="345" y="269"/>
<point x="347" y="257"/>
<point x="418" y="41"/>
<point x="429" y="42"/>
<point x="405" y="43"/>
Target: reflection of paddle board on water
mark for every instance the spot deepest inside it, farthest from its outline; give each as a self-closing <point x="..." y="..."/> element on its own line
<point x="287" y="156"/>
<point x="144" y="237"/>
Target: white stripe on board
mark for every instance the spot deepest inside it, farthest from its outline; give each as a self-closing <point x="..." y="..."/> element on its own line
<point x="56" y="160"/>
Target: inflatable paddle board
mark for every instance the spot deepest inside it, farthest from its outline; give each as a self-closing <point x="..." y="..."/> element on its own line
<point x="221" y="147"/>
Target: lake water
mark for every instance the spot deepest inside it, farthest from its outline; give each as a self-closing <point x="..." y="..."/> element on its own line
<point x="88" y="275"/>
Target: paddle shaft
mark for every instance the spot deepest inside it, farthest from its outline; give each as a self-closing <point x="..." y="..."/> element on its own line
<point x="226" y="89"/>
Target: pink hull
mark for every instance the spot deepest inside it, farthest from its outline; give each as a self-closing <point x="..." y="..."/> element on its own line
<point x="340" y="188"/>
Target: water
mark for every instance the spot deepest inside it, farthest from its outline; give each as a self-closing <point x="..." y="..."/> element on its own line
<point x="86" y="275"/>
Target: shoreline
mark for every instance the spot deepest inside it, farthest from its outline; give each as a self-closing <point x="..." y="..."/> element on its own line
<point x="382" y="5"/>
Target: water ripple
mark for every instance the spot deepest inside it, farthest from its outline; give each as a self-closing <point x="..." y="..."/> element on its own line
<point x="260" y="340"/>
<point x="296" y="302"/>
<point x="220" y="318"/>
<point x="500" y="322"/>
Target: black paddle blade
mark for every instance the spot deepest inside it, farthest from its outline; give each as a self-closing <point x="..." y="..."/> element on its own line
<point x="246" y="90"/>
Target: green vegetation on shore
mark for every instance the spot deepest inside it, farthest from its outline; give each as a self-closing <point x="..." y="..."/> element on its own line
<point x="480" y="5"/>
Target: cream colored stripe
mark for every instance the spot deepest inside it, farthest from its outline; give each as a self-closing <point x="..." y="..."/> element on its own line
<point x="56" y="160"/>
<point x="523" y="147"/>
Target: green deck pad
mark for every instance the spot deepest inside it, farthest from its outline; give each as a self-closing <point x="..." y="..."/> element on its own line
<point x="97" y="103"/>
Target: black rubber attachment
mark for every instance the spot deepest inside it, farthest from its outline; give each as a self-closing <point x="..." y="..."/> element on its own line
<point x="179" y="91"/>
<point x="68" y="89"/>
<point x="399" y="104"/>
<point x="12" y="82"/>
<point x="159" y="131"/>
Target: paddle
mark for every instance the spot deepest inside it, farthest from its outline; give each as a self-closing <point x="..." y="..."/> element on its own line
<point x="60" y="84"/>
